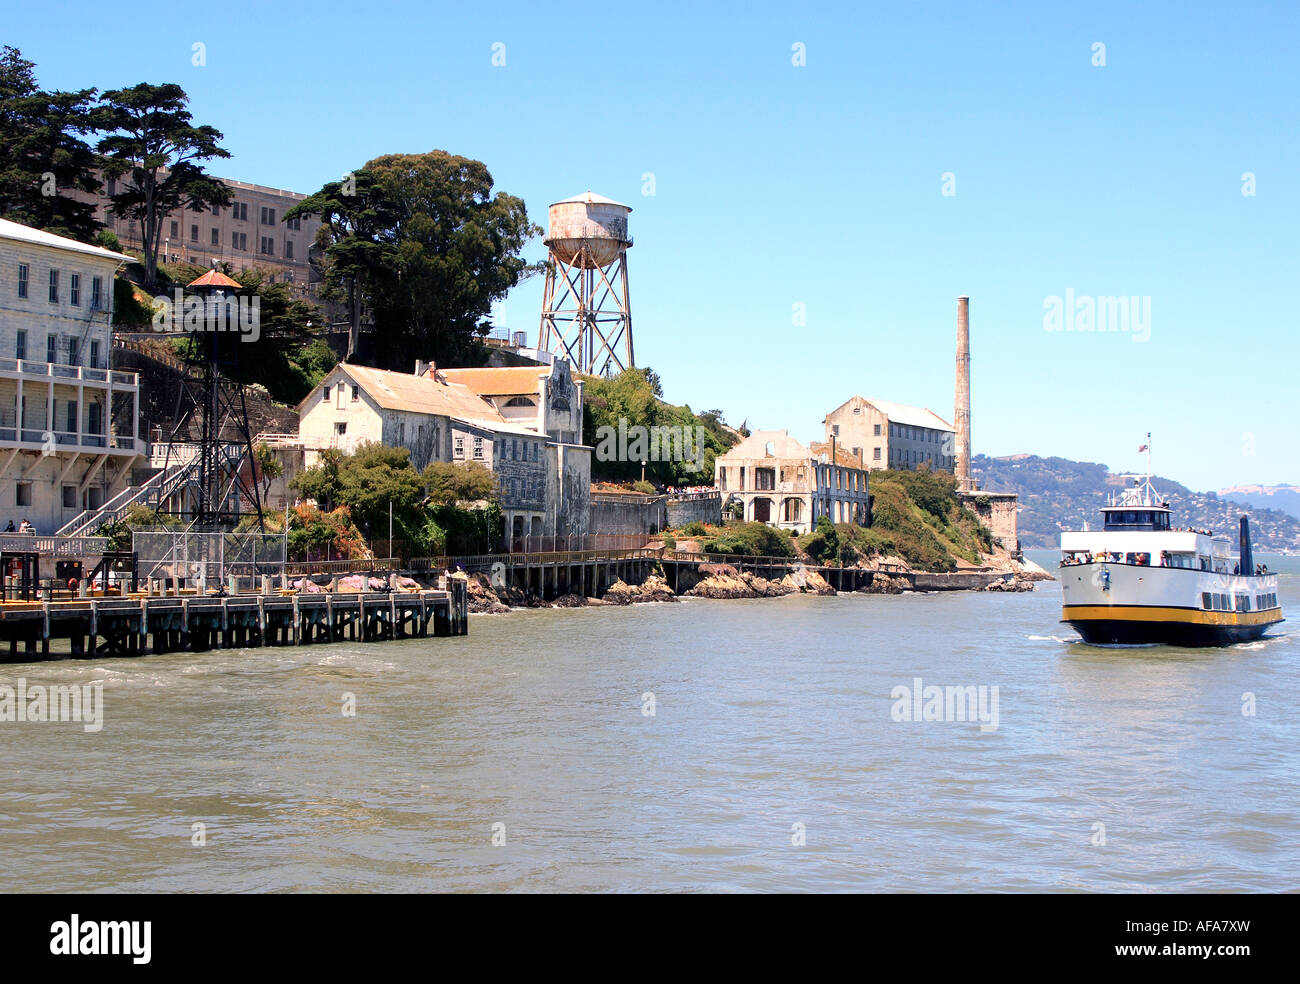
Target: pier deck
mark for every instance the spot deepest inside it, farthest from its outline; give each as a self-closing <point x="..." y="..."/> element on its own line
<point x="139" y="624"/>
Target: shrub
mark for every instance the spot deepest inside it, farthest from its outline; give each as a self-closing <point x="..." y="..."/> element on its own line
<point x="640" y="485"/>
<point x="695" y="528"/>
<point x="751" y="540"/>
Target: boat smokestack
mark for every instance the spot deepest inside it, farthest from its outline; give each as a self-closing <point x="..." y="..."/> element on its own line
<point x="1247" y="561"/>
<point x="961" y="410"/>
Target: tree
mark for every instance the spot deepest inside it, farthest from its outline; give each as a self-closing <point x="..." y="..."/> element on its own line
<point x="449" y="483"/>
<point x="267" y="466"/>
<point x="152" y="137"/>
<point x="421" y="241"/>
<point x="42" y="154"/>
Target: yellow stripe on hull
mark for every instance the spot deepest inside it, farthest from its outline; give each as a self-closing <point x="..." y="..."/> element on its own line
<point x="1154" y="613"/>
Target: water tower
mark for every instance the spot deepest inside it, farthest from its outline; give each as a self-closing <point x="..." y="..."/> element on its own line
<point x="586" y="315"/>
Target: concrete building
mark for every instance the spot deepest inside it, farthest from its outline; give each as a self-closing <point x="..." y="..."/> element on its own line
<point x="781" y="482"/>
<point x="525" y="424"/>
<point x="880" y="434"/>
<point x="250" y="232"/>
<point x="69" y="425"/>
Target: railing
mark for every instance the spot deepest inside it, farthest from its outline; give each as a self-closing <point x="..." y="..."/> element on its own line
<point x="690" y="496"/>
<point x="485" y="562"/>
<point x="61" y="373"/>
<point x="302" y="568"/>
<point x="583" y="541"/>
<point x="54" y="545"/>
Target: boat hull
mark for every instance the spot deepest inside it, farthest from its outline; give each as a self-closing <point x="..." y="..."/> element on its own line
<point x="1137" y="632"/>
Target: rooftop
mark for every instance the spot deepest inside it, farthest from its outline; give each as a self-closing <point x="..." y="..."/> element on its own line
<point x="18" y="232"/>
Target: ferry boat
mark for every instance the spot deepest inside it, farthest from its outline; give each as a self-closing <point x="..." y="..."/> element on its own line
<point x="1140" y="580"/>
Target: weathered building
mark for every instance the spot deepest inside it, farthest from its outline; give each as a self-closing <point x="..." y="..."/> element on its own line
<point x="880" y="434"/>
<point x="526" y="436"/>
<point x="69" y="424"/>
<point x="250" y="232"/>
<point x="781" y="482"/>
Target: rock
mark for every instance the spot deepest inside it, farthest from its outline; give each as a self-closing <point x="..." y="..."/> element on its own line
<point x="353" y="582"/>
<point x="620" y="593"/>
<point x="724" y="586"/>
<point x="885" y="584"/>
<point x="569" y="601"/>
<point x="655" y="588"/>
<point x="1012" y="584"/>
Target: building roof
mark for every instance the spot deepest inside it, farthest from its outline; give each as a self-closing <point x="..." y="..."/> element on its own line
<point x="26" y="234"/>
<point x="215" y="278"/>
<point x="507" y="381"/>
<point x="902" y="413"/>
<point x="589" y="197"/>
<point x="417" y="394"/>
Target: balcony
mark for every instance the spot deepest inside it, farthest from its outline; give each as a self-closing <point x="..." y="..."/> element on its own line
<point x="37" y="438"/>
<point x="62" y="375"/>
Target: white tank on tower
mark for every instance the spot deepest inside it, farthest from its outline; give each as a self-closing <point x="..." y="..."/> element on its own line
<point x="586" y="314"/>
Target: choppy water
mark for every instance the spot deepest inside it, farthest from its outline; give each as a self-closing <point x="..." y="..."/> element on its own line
<point x="767" y="714"/>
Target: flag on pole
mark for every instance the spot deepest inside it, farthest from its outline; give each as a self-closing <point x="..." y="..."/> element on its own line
<point x="1143" y="448"/>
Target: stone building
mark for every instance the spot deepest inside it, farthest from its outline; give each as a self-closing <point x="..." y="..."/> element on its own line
<point x="531" y="441"/>
<point x="250" y="232"/>
<point x="781" y="482"/>
<point x="880" y="434"/>
<point x="69" y="425"/>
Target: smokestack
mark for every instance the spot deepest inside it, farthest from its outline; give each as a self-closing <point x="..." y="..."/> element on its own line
<point x="961" y="411"/>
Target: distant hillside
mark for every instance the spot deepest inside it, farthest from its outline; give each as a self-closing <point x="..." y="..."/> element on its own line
<point x="1058" y="494"/>
<point x="1285" y="498"/>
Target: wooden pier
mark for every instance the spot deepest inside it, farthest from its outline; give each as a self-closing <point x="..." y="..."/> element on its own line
<point x="136" y="625"/>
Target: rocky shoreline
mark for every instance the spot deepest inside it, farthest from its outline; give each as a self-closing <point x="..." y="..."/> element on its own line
<point x="719" y="581"/>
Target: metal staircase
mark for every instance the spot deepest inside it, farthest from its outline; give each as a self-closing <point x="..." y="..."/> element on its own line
<point x="153" y="492"/>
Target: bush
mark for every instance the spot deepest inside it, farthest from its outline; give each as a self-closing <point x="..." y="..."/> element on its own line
<point x="640" y="485"/>
<point x="695" y="528"/>
<point x="751" y="540"/>
<point x="670" y="541"/>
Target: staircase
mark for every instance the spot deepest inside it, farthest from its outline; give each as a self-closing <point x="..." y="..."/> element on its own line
<point x="156" y="490"/>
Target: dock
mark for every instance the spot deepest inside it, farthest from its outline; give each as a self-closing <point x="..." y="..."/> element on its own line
<point x="139" y="624"/>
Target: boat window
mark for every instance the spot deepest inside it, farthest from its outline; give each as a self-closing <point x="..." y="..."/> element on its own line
<point x="1206" y="602"/>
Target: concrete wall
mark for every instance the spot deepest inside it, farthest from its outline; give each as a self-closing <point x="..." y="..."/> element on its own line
<point x="612" y="513"/>
<point x="696" y="509"/>
<point x="997" y="511"/>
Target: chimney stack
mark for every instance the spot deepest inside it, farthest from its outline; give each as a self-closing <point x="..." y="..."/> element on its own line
<point x="961" y="412"/>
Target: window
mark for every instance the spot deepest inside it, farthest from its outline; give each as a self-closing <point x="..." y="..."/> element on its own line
<point x="69" y="497"/>
<point x="295" y="224"/>
<point x="340" y="428"/>
<point x="765" y="479"/>
<point x="1206" y="602"/>
<point x="288" y="249"/>
<point x="20" y="344"/>
<point x="876" y="430"/>
<point x="72" y="351"/>
<point x="96" y="293"/>
<point x="239" y="240"/>
<point x="194" y="234"/>
<point x="325" y="395"/>
<point x="74" y="290"/>
<point x="50" y="343"/>
<point x="24" y="494"/>
<point x="94" y="354"/>
<point x="54" y="286"/>
<point x="22" y="279"/>
<point x="268" y="216"/>
<point x="478" y="449"/>
<point x="267" y="246"/>
<point x="356" y="392"/>
<point x="216" y="210"/>
<point x="458" y="449"/>
<point x="216" y="236"/>
<point x="72" y="417"/>
<point x="96" y="418"/>
<point x="239" y="211"/>
<point x="875" y="454"/>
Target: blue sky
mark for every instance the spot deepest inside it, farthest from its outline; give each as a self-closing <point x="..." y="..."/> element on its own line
<point x="821" y="185"/>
